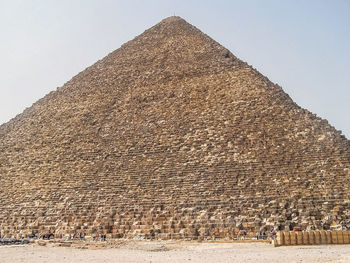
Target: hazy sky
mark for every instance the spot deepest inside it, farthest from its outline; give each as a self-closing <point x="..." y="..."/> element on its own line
<point x="302" y="45"/>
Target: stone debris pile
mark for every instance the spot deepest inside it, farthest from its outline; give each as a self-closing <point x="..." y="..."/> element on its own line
<point x="13" y="241"/>
<point x="170" y="137"/>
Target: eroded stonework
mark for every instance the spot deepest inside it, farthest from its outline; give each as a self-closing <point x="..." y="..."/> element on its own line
<point x="170" y="136"/>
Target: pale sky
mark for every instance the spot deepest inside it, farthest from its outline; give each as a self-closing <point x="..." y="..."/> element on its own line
<point x="303" y="45"/>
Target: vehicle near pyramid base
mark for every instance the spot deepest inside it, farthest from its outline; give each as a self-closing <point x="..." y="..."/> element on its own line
<point x="170" y="136"/>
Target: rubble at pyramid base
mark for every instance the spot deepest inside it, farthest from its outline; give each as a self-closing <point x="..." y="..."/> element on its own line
<point x="199" y="220"/>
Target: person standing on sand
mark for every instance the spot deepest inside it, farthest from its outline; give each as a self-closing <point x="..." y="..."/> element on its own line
<point x="272" y="234"/>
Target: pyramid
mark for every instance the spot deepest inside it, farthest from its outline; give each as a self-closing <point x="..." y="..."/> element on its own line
<point x="170" y="137"/>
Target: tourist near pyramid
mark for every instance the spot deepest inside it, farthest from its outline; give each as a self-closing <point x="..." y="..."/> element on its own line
<point x="170" y="137"/>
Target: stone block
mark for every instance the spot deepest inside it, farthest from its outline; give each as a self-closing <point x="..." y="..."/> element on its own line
<point x="299" y="237"/>
<point x="287" y="239"/>
<point x="280" y="238"/>
<point x="312" y="238"/>
<point x="306" y="240"/>
<point x="340" y="238"/>
<point x="293" y="238"/>
<point x="334" y="237"/>
<point x="317" y="236"/>
<point x="323" y="236"/>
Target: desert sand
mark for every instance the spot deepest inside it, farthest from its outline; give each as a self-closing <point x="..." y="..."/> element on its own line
<point x="154" y="251"/>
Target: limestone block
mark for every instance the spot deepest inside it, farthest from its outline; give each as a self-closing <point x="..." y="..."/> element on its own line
<point x="293" y="238"/>
<point x="346" y="237"/>
<point x="340" y="238"/>
<point x="41" y="243"/>
<point x="312" y="238"/>
<point x="306" y="237"/>
<point x="280" y="238"/>
<point x="287" y="239"/>
<point x="317" y="236"/>
<point x="334" y="237"/>
<point x="329" y="237"/>
<point x="324" y="239"/>
<point x="299" y="237"/>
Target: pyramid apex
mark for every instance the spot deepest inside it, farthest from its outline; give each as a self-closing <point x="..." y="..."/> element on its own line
<point x="171" y="19"/>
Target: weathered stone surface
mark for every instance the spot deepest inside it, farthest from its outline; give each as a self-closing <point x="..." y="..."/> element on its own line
<point x="170" y="136"/>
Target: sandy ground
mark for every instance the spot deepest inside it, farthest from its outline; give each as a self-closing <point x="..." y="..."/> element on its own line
<point x="154" y="251"/>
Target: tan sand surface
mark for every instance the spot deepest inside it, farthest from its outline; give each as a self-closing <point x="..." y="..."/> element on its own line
<point x="154" y="251"/>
